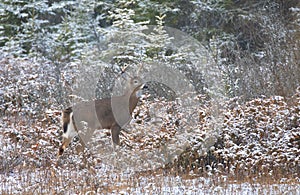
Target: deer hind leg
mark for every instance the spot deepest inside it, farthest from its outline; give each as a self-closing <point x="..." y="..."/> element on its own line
<point x="85" y="136"/>
<point x="69" y="133"/>
<point x="115" y="134"/>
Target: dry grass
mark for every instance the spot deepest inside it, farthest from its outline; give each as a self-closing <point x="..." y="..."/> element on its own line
<point x="256" y="152"/>
<point x="106" y="180"/>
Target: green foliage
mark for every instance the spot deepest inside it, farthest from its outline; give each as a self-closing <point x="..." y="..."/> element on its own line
<point x="22" y="25"/>
<point x="76" y="31"/>
<point x="254" y="43"/>
<point x="159" y="40"/>
<point x="11" y="19"/>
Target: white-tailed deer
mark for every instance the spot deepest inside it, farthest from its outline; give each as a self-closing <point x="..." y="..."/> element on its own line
<point x="109" y="113"/>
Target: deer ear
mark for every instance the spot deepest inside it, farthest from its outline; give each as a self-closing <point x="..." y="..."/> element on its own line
<point x="123" y="68"/>
<point x="125" y="73"/>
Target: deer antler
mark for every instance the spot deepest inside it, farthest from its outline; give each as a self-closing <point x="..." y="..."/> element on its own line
<point x="140" y="68"/>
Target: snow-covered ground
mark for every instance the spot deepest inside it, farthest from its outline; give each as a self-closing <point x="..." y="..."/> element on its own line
<point x="253" y="141"/>
<point x="54" y="181"/>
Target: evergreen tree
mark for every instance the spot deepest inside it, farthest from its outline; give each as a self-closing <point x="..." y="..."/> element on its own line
<point x="22" y="26"/>
<point x="124" y="41"/>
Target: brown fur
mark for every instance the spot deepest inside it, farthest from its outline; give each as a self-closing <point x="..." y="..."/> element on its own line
<point x="99" y="114"/>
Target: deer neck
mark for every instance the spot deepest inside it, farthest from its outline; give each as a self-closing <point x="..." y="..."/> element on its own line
<point x="133" y="100"/>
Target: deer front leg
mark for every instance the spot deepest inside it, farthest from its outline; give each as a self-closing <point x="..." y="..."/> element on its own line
<point x="115" y="134"/>
<point x="64" y="145"/>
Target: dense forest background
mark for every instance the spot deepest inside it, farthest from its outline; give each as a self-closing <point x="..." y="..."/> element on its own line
<point x="253" y="44"/>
